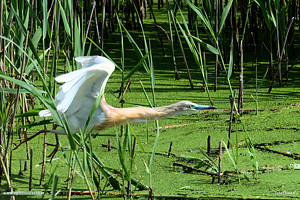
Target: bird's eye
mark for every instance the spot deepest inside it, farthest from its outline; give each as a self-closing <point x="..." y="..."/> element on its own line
<point x="191" y="106"/>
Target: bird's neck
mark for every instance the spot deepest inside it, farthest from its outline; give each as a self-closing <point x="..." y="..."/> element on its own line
<point x="167" y="111"/>
<point x="143" y="114"/>
<point x="122" y="116"/>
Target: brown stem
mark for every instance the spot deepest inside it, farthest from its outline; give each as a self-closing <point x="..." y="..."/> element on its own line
<point x="281" y="55"/>
<point x="89" y="22"/>
<point x="10" y="130"/>
<point x="231" y="117"/>
<point x="217" y="58"/>
<point x="102" y="25"/>
<point x="44" y="159"/>
<point x="220" y="159"/>
<point x="241" y="81"/>
<point x="30" y="175"/>
<point x="286" y="73"/>
<point x="51" y="33"/>
<point x="97" y="28"/>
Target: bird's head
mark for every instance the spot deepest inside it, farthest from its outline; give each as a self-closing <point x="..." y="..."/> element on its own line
<point x="191" y="107"/>
<point x="184" y="107"/>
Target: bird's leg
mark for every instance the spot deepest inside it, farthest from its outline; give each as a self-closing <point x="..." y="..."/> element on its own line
<point x="26" y="139"/>
<point x="52" y="154"/>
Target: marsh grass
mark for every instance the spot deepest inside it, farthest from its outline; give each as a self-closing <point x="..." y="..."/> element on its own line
<point x="39" y="40"/>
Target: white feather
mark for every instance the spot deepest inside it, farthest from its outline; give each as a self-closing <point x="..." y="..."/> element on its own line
<point x="68" y="77"/>
<point x="88" y="61"/>
<point x="87" y="81"/>
<point x="77" y="95"/>
<point x="45" y="113"/>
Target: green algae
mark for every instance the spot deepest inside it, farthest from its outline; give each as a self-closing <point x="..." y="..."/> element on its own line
<point x="274" y="130"/>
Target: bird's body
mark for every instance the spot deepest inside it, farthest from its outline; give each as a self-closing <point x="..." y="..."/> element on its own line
<point x="79" y="92"/>
<point x="122" y="116"/>
<point x="81" y="88"/>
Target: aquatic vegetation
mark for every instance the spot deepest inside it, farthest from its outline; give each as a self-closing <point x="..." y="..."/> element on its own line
<point x="213" y="49"/>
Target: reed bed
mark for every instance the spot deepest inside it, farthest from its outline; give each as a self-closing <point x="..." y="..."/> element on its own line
<point x="40" y="39"/>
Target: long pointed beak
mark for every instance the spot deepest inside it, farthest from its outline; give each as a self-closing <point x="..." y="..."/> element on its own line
<point x="204" y="107"/>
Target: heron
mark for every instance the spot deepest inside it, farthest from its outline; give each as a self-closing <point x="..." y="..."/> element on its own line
<point x="82" y="87"/>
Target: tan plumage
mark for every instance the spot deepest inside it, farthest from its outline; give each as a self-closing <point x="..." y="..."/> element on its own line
<point x="120" y="116"/>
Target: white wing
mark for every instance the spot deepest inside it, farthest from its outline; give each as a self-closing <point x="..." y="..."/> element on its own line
<point x="83" y="84"/>
<point x="45" y="113"/>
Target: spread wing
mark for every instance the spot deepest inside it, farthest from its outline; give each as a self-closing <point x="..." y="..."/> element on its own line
<point x="82" y="84"/>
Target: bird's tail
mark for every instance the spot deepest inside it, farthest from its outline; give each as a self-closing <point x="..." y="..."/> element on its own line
<point x="45" y="113"/>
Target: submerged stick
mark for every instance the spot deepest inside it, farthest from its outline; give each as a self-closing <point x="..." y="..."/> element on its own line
<point x="194" y="169"/>
<point x="170" y="149"/>
<point x="208" y="145"/>
<point x="25" y="165"/>
<point x="109" y="145"/>
<point x="278" y="152"/>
